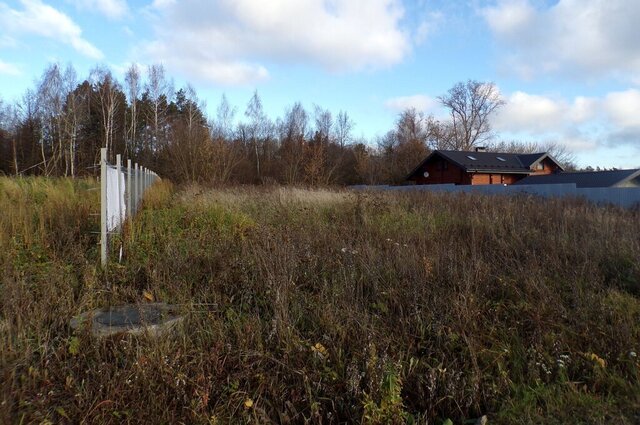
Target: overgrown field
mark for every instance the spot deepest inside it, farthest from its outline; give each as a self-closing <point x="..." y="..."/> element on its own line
<point x="322" y="306"/>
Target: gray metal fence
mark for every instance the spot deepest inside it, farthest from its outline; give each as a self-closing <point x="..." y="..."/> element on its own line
<point x="626" y="197"/>
<point x="121" y="192"/>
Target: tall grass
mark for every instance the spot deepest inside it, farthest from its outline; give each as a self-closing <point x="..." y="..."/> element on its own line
<point x="327" y="306"/>
<point x="47" y="253"/>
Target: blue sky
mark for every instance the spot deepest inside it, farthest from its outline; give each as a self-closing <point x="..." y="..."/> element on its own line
<point x="569" y="70"/>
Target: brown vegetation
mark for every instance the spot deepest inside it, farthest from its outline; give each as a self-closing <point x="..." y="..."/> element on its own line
<point x="326" y="306"/>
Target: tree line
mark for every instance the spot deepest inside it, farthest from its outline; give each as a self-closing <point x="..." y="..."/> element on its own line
<point x="58" y="127"/>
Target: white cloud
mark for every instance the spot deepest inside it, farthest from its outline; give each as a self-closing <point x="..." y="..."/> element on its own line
<point x="420" y="102"/>
<point x="593" y="38"/>
<point x="541" y="114"/>
<point x="205" y="66"/>
<point x="623" y="108"/>
<point x="583" y="109"/>
<point x="232" y="41"/>
<point x="112" y="9"/>
<point x="9" y="68"/>
<point x="581" y="124"/>
<point x="577" y="141"/>
<point x="43" y="20"/>
<point x="508" y="16"/>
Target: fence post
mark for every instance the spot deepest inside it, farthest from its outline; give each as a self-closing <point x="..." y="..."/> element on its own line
<point x="118" y="185"/>
<point x="135" y="187"/>
<point x="103" y="206"/>
<point x="140" y="190"/>
<point x="129" y="189"/>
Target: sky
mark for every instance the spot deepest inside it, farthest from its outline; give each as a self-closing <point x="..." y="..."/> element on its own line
<point x="568" y="70"/>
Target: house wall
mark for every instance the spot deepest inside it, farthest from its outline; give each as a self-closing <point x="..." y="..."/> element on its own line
<point x="494" y="178"/>
<point x="480" y="178"/>
<point x="549" y="168"/>
<point x="442" y="172"/>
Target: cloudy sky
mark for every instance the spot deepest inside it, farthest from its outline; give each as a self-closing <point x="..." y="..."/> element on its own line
<point x="568" y="69"/>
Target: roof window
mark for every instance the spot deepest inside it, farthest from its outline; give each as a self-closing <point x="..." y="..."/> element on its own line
<point x="501" y="158"/>
<point x="473" y="158"/>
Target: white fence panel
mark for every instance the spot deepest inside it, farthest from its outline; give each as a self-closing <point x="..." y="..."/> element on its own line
<point x="116" y="208"/>
<point x="121" y="194"/>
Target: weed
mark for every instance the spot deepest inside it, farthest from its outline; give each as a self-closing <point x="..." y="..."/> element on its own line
<point x="322" y="306"/>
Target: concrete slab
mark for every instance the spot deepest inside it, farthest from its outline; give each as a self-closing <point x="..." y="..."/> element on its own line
<point x="153" y="319"/>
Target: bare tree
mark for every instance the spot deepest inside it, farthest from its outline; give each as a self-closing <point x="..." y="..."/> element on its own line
<point x="317" y="168"/>
<point x="411" y="128"/>
<point x="226" y="152"/>
<point x="133" y="88"/>
<point x="256" y="128"/>
<point x="226" y="156"/>
<point x="293" y="132"/>
<point x="323" y="124"/>
<point x="405" y="146"/>
<point x="159" y="90"/>
<point x="470" y="105"/>
<point x="440" y="134"/>
<point x="560" y="152"/>
<point x="344" y="126"/>
<point x="50" y="100"/>
<point x="30" y="120"/>
<point x="8" y="125"/>
<point x="107" y="89"/>
<point x="73" y="115"/>
<point x="222" y="127"/>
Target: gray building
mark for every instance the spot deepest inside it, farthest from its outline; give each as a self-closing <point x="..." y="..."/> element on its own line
<point x="590" y="179"/>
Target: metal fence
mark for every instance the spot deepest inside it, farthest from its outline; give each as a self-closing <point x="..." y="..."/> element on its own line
<point x="121" y="192"/>
<point x="626" y="197"/>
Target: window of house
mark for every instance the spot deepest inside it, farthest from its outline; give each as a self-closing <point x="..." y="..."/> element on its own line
<point x="501" y="158"/>
<point x="540" y="166"/>
<point x="473" y="158"/>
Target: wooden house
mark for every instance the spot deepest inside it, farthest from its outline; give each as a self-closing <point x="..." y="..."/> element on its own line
<point x="481" y="167"/>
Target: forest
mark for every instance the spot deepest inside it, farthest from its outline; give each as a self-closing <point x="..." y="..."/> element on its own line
<point x="57" y="127"/>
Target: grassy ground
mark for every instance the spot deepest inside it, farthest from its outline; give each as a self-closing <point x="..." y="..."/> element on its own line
<point x="324" y="306"/>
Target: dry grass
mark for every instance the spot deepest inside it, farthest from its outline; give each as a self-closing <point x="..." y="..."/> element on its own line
<point x="326" y="306"/>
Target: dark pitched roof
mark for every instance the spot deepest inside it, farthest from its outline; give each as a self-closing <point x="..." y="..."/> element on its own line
<point x="489" y="161"/>
<point x="528" y="159"/>
<point x="584" y="179"/>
